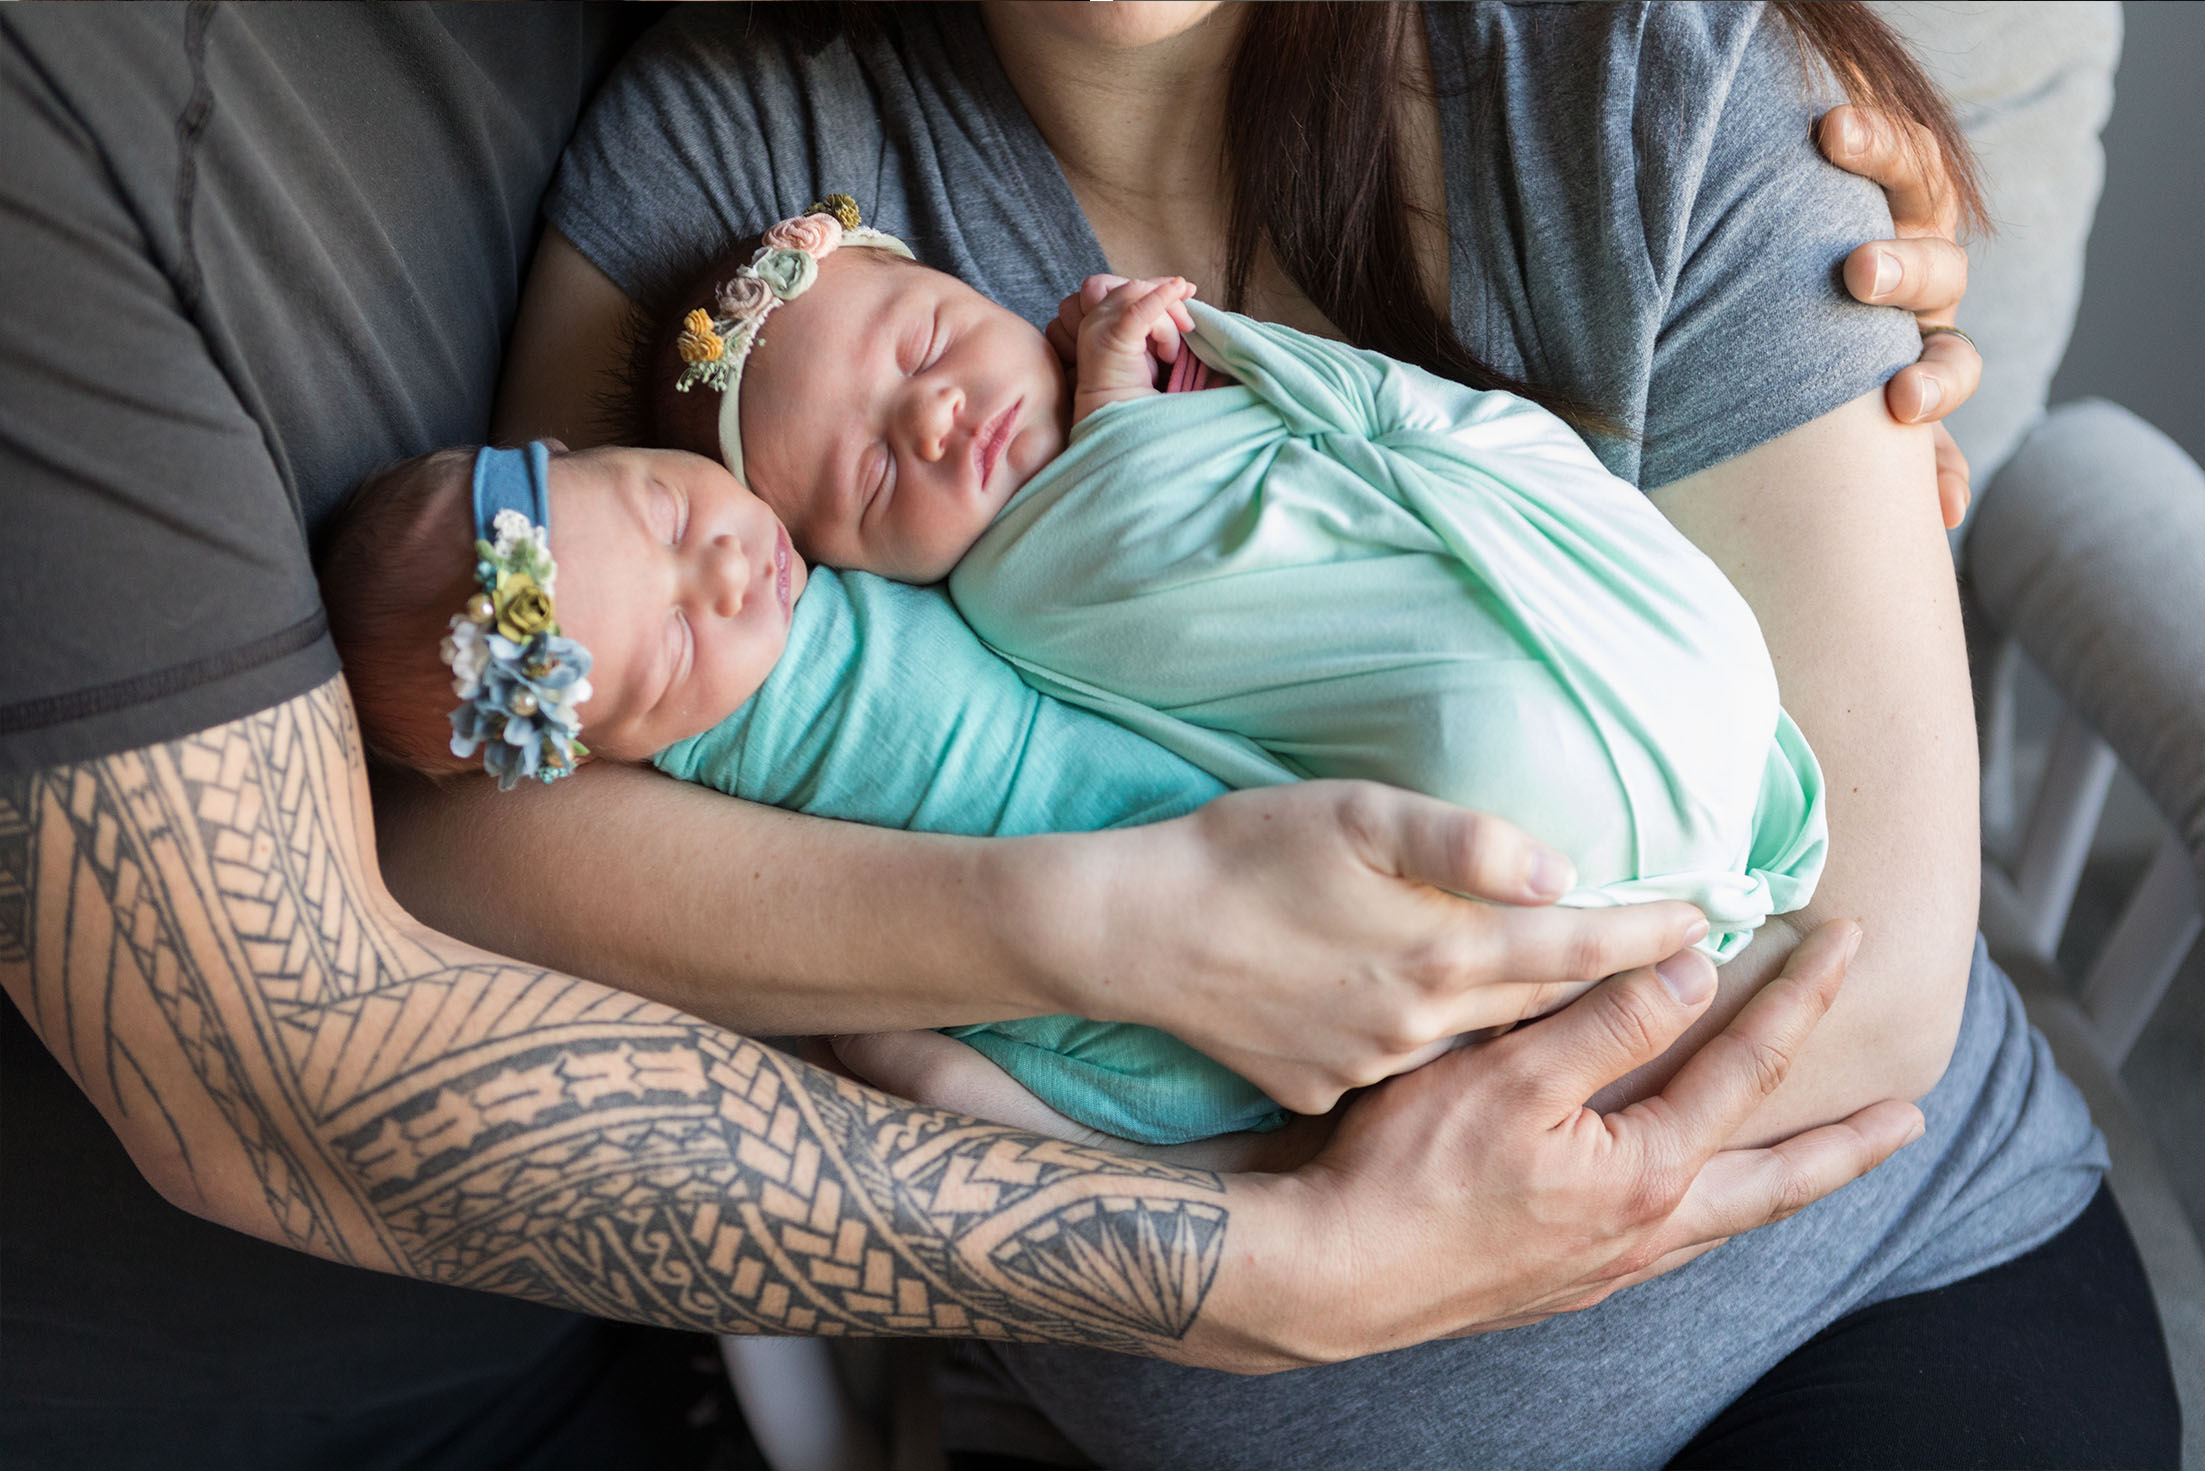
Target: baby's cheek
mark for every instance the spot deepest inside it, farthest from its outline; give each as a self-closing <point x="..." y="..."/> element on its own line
<point x="944" y="534"/>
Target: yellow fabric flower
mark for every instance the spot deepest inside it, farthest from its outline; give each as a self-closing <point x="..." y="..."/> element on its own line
<point x="841" y="206"/>
<point x="699" y="343"/>
<point x="524" y="608"/>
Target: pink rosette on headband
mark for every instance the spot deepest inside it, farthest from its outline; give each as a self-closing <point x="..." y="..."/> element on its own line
<point x="740" y="297"/>
<point x="714" y="347"/>
<point x="814" y="234"/>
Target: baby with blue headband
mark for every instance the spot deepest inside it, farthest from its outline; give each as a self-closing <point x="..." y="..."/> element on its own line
<point x="1326" y="563"/>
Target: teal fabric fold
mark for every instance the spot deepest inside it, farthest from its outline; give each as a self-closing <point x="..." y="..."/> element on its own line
<point x="886" y="709"/>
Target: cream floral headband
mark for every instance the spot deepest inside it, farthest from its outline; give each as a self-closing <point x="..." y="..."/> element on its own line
<point x="714" y="346"/>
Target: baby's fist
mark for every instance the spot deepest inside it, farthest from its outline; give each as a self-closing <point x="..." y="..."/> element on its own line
<point x="1123" y="330"/>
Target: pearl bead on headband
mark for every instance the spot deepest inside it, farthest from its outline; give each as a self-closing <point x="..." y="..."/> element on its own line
<point x="714" y="346"/>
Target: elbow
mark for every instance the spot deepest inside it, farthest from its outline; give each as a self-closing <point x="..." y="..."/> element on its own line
<point x="205" y="1173"/>
<point x="165" y="1163"/>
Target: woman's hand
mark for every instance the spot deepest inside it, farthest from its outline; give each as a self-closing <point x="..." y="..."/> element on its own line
<point x="1480" y="1192"/>
<point x="1923" y="271"/>
<point x="1310" y="937"/>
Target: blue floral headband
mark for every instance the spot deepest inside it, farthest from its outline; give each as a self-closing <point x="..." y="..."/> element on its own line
<point x="517" y="679"/>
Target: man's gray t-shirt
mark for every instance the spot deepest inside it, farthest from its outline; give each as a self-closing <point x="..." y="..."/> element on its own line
<point x="1637" y="216"/>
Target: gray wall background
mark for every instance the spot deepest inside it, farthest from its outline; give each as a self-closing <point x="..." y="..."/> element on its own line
<point x="2140" y="335"/>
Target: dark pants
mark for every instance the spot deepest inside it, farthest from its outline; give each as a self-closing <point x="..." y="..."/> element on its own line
<point x="2054" y="1359"/>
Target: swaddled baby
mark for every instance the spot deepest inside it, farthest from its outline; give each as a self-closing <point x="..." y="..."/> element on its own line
<point x="1326" y="564"/>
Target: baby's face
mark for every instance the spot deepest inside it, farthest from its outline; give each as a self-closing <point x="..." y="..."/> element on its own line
<point x="678" y="581"/>
<point x="890" y="412"/>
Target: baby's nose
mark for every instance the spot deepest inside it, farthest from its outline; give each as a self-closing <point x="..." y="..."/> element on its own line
<point x="934" y="419"/>
<point x="726" y="575"/>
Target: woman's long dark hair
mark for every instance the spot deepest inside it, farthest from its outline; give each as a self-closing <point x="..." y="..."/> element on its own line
<point x="1335" y="210"/>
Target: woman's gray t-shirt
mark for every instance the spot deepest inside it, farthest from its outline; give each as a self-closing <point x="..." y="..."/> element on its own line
<point x="1637" y="216"/>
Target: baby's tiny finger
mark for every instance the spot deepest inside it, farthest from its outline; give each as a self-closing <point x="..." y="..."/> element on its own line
<point x="1095" y="288"/>
<point x="1071" y="312"/>
<point x="1163" y="341"/>
<point x="1179" y="313"/>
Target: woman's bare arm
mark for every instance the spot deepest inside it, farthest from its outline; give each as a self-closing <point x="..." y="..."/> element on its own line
<point x="566" y="350"/>
<point x="1298" y="934"/>
<point x="1833" y="535"/>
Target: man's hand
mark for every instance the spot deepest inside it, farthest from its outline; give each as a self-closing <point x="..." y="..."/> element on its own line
<point x="1112" y="333"/>
<point x="1923" y="271"/>
<point x="1310" y="936"/>
<point x="1489" y="1161"/>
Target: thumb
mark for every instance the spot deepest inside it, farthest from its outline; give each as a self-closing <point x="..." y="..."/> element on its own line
<point x="1620" y="1025"/>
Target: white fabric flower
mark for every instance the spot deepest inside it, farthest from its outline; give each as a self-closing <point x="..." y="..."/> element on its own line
<point x="467" y="651"/>
<point x="508" y="529"/>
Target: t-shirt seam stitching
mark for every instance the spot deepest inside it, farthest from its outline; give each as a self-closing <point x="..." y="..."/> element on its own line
<point x="51" y="710"/>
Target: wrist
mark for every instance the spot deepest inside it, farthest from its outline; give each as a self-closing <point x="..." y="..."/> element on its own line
<point x="1087" y="401"/>
<point x="1279" y="1300"/>
<point x="1049" y="918"/>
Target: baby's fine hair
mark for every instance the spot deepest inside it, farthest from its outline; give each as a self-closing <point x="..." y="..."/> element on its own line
<point x="397" y="563"/>
<point x="642" y="407"/>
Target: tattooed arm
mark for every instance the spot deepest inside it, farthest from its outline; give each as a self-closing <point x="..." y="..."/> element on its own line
<point x="208" y="950"/>
<point x="203" y="941"/>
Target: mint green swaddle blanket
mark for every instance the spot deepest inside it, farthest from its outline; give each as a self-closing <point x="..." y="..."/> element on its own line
<point x="1345" y="566"/>
<point x="1341" y="567"/>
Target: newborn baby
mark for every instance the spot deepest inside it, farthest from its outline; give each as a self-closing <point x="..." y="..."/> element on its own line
<point x="675" y="621"/>
<point x="1334" y="565"/>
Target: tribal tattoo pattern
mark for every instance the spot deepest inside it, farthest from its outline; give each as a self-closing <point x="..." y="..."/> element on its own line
<point x="193" y="931"/>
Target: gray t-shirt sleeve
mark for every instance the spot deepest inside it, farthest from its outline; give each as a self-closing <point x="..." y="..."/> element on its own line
<point x="1639" y="216"/>
<point x="698" y="139"/>
<point x="1759" y="335"/>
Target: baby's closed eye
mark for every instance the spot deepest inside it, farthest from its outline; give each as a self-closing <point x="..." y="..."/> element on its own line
<point x="669" y="513"/>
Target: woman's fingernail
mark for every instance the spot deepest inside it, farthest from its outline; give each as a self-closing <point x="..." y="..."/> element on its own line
<point x="1551" y="875"/>
<point x="1853" y="133"/>
<point x="1852" y="945"/>
<point x="1696" y="931"/>
<point x="1887" y="275"/>
<point x="1687" y="976"/>
<point x="1920" y="1128"/>
<point x="1933" y="393"/>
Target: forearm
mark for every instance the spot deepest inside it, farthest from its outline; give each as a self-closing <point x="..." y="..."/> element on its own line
<point x="768" y="922"/>
<point x="207" y="950"/>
